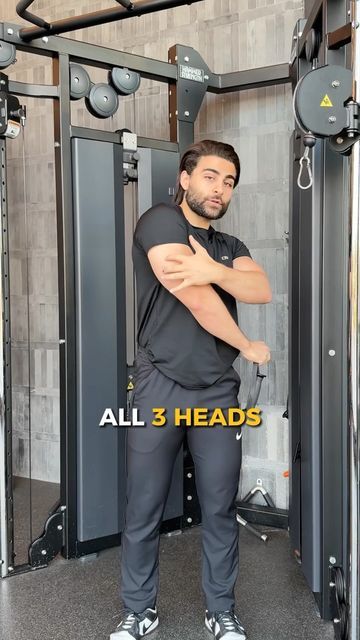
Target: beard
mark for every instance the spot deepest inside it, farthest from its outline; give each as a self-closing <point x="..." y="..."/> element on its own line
<point x="199" y="206"/>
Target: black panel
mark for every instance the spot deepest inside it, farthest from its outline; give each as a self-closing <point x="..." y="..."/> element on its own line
<point x="305" y="318"/>
<point x="157" y="171"/>
<point x="100" y="331"/>
<point x="318" y="309"/>
<point x="334" y="371"/>
<point x="310" y="287"/>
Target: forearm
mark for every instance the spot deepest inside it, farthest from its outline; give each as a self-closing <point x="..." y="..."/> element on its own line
<point x="246" y="286"/>
<point x="212" y="314"/>
<point x="205" y="305"/>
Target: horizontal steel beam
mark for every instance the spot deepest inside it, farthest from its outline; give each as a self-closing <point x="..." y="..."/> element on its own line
<point x="33" y="90"/>
<point x="91" y="54"/>
<point x="340" y="37"/>
<point x="103" y="57"/>
<point x="252" y="79"/>
<point x="97" y="17"/>
<point x="108" y="136"/>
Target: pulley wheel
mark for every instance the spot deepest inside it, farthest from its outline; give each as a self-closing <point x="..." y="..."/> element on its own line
<point x="7" y="54"/>
<point x="102" y="101"/>
<point x="312" y="45"/>
<point x="124" y="81"/>
<point x="344" y="621"/>
<point x="80" y="83"/>
<point x="319" y="100"/>
<point x="341" y="624"/>
<point x="339" y="585"/>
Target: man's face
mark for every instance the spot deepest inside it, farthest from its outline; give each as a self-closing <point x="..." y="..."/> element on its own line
<point x="209" y="188"/>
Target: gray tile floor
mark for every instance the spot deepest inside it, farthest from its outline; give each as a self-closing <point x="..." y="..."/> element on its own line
<point x="78" y="599"/>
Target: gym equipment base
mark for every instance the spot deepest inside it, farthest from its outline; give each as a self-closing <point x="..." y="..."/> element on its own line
<point x="263" y="515"/>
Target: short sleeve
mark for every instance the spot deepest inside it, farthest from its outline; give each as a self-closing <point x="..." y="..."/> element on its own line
<point x="161" y="224"/>
<point x="240" y="249"/>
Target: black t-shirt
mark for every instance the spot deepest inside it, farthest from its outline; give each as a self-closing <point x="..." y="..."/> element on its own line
<point x="175" y="342"/>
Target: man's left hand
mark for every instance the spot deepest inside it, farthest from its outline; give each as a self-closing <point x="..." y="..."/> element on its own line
<point x="197" y="269"/>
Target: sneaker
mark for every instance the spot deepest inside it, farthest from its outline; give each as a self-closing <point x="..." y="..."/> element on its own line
<point x="224" y="625"/>
<point x="136" y="625"/>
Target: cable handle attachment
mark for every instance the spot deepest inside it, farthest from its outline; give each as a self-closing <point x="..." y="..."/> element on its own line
<point x="309" y="142"/>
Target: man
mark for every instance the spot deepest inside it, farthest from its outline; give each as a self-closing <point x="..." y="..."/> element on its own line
<point x="189" y="277"/>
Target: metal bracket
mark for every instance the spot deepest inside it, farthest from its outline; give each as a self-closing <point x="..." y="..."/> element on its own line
<point x="193" y="79"/>
<point x="12" y="114"/>
<point x="45" y="548"/>
<point x="187" y="94"/>
<point x="344" y="142"/>
<point x="130" y="155"/>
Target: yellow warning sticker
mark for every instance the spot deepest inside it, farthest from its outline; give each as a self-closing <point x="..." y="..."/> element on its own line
<point x="326" y="102"/>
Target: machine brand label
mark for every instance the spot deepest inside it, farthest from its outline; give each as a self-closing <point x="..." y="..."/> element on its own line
<point x="191" y="73"/>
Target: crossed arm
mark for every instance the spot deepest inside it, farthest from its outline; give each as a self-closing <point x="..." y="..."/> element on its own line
<point x="190" y="278"/>
<point x="246" y="281"/>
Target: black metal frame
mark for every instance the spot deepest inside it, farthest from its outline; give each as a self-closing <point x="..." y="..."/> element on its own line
<point x="6" y="319"/>
<point x="330" y="19"/>
<point x="186" y="95"/>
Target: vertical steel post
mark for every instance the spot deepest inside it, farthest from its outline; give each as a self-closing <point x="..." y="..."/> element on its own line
<point x="66" y="277"/>
<point x="6" y="493"/>
<point x="4" y="559"/>
<point x="334" y="194"/>
<point x="354" y="354"/>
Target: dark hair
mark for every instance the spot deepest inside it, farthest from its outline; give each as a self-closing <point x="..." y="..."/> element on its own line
<point x="193" y="154"/>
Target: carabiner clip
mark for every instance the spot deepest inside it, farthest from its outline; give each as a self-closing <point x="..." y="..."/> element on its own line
<point x="305" y="160"/>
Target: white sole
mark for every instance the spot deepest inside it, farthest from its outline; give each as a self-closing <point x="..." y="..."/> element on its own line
<point x="208" y="627"/>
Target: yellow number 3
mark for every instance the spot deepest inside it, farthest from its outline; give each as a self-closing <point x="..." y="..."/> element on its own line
<point x="160" y="417"/>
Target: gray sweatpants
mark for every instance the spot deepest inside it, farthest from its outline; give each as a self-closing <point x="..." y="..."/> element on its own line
<point x="151" y="453"/>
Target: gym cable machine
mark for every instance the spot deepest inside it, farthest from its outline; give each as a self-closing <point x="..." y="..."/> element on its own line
<point x="325" y="79"/>
<point x="69" y="528"/>
<point x="189" y="79"/>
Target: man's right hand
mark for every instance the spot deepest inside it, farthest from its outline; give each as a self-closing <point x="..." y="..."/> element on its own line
<point x="257" y="352"/>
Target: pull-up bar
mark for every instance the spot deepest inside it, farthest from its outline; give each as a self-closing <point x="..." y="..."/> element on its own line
<point x="127" y="10"/>
<point x="22" y="6"/>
